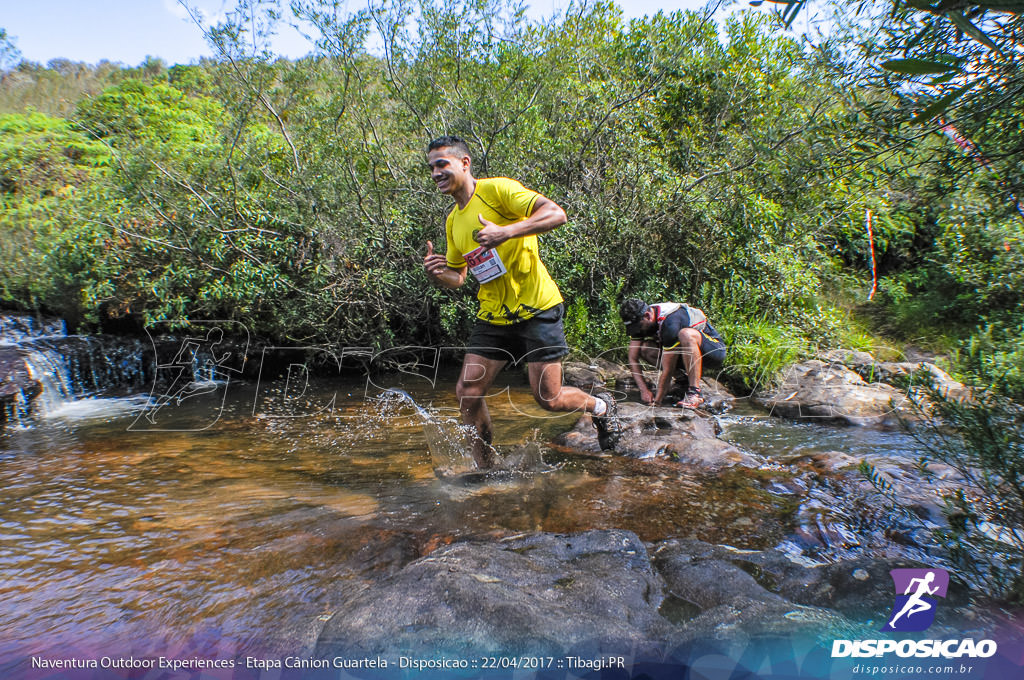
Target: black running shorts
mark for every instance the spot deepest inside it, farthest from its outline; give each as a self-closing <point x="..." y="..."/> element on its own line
<point x="712" y="347"/>
<point x="540" y="338"/>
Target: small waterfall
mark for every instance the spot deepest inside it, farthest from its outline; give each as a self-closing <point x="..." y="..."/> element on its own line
<point x="98" y="364"/>
<point x="35" y="382"/>
<point x="49" y="368"/>
<point x="44" y="370"/>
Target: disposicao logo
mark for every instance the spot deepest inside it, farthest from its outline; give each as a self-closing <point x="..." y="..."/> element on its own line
<point x="916" y="590"/>
<point x="913" y="611"/>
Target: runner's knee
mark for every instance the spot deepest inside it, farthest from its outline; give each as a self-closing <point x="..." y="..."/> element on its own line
<point x="690" y="337"/>
<point x="470" y="389"/>
<point x="549" y="402"/>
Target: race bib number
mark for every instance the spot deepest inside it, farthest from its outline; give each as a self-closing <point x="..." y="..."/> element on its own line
<point x="485" y="264"/>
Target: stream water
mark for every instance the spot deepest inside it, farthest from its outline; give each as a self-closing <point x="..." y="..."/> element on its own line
<point x="225" y="525"/>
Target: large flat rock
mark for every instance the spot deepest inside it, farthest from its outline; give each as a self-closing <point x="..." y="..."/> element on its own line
<point x="540" y="593"/>
<point x="831" y="392"/>
<point x="597" y="592"/>
<point x="902" y="374"/>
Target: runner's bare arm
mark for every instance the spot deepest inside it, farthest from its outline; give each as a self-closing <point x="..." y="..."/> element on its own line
<point x="437" y="269"/>
<point x="546" y="216"/>
<point x="669" y="361"/>
<point x="637" y="371"/>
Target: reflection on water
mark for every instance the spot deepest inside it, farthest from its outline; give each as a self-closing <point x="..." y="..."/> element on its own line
<point x="239" y="532"/>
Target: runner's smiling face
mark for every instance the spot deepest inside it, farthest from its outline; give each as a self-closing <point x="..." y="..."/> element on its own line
<point x="448" y="169"/>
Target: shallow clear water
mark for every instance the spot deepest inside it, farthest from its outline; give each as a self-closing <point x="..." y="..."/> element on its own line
<point x="121" y="533"/>
<point x="770" y="436"/>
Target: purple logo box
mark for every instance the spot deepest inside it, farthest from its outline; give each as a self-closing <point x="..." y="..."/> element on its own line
<point x="916" y="592"/>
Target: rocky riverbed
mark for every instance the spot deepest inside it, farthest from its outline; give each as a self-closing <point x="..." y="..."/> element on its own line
<point x="744" y="520"/>
<point x="608" y="592"/>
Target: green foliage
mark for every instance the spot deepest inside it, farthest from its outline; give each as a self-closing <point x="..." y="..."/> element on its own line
<point x="728" y="168"/>
<point x="982" y="438"/>
<point x="54" y="89"/>
<point x="949" y="259"/>
<point x="936" y="158"/>
<point x="970" y="46"/>
<point x="935" y="155"/>
<point x="759" y="350"/>
<point x="994" y="358"/>
<point x="160" y="116"/>
<point x="597" y="330"/>
<point x="54" y="182"/>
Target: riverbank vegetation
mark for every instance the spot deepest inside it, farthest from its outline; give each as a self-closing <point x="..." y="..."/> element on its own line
<point x="731" y="165"/>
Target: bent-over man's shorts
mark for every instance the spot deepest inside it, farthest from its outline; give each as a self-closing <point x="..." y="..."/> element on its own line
<point x="712" y="347"/>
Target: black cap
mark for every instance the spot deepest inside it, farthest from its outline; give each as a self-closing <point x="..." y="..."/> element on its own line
<point x="632" y="313"/>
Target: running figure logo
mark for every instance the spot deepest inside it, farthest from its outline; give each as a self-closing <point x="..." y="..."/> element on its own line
<point x="916" y="590"/>
<point x="194" y="363"/>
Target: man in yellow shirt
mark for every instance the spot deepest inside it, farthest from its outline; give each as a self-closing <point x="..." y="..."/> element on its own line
<point x="492" y="232"/>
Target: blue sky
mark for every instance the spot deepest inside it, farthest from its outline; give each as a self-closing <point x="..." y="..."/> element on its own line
<point x="129" y="30"/>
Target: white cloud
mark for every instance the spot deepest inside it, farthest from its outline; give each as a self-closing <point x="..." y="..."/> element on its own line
<point x="177" y="10"/>
<point x="208" y="15"/>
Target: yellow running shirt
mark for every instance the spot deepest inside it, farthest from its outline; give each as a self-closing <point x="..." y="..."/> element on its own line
<point x="521" y="286"/>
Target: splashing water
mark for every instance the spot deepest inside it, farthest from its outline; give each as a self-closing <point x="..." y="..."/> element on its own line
<point x="526" y="456"/>
<point x="449" y="441"/>
<point x="391" y="400"/>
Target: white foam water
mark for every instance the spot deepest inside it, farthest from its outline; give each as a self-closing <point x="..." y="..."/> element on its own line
<point x="97" y="408"/>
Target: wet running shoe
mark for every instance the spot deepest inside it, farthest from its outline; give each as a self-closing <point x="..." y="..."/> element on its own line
<point x="693" y="399"/>
<point x="608" y="427"/>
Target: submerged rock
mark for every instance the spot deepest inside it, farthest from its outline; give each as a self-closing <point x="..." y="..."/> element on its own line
<point x="823" y="461"/>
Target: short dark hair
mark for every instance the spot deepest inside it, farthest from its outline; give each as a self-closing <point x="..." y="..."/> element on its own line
<point x="631" y="310"/>
<point x="452" y="142"/>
